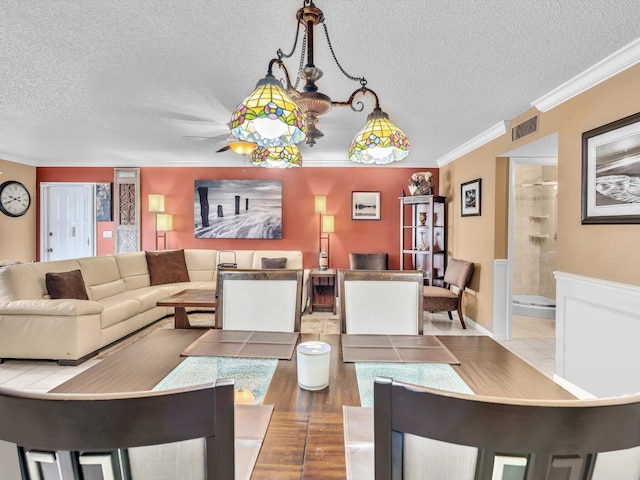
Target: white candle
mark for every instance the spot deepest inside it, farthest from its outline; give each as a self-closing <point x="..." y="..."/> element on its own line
<point x="314" y="359"/>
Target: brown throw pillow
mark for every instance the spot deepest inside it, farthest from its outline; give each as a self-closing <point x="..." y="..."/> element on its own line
<point x="66" y="285"/>
<point x="280" y="262"/>
<point x="167" y="267"/>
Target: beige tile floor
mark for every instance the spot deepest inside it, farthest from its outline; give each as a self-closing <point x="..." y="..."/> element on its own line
<point x="535" y="345"/>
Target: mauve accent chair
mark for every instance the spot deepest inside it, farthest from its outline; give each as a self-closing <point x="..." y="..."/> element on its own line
<point x="449" y="298"/>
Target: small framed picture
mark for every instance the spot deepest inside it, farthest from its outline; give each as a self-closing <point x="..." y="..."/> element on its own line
<point x="365" y="205"/>
<point x="611" y="172"/>
<point x="103" y="202"/>
<point x="470" y="198"/>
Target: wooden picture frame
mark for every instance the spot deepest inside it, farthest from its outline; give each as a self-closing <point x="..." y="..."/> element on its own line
<point x="238" y="209"/>
<point x="471" y="198"/>
<point x="611" y="172"/>
<point x="365" y="206"/>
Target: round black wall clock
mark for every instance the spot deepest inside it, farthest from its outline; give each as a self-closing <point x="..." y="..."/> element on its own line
<point x="14" y="198"/>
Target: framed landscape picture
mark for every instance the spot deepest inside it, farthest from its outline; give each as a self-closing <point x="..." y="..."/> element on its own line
<point x="611" y="172"/>
<point x="365" y="205"/>
<point x="238" y="209"/>
<point x="471" y="198"/>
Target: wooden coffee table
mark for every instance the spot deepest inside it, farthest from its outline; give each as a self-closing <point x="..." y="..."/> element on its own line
<point x="193" y="297"/>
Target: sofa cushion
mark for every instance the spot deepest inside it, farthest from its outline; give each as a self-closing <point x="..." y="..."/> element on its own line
<point x="294" y="258"/>
<point x="280" y="262"/>
<point x="133" y="269"/>
<point x="201" y="264"/>
<point x="167" y="267"/>
<point x="66" y="285"/>
<point x="118" y="309"/>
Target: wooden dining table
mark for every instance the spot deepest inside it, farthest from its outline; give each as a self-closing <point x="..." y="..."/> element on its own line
<point x="305" y="438"/>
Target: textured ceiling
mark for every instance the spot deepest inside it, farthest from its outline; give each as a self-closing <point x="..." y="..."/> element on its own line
<point x="125" y="82"/>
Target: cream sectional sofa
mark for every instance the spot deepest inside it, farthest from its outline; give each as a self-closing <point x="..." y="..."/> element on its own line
<point x="121" y="300"/>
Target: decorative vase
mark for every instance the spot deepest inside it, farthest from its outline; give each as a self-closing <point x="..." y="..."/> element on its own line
<point x="323" y="260"/>
<point x="423" y="218"/>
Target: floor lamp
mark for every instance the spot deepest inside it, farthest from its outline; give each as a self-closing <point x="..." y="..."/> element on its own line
<point x="164" y="224"/>
<point x="327" y="228"/>
<point x="156" y="205"/>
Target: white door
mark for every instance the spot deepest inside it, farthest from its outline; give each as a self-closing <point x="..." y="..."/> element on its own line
<point x="67" y="226"/>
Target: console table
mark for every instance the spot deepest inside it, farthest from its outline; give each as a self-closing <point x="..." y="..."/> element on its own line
<point x="322" y="290"/>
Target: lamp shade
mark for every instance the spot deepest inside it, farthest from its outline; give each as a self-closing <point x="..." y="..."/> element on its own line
<point x="268" y="117"/>
<point x="379" y="142"/>
<point x="277" y="157"/>
<point x="156" y="203"/>
<point x="241" y="147"/>
<point x="327" y="224"/>
<point x="164" y="222"/>
<point x="320" y="204"/>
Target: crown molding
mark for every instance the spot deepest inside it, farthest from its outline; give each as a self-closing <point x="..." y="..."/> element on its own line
<point x="615" y="63"/>
<point x="476" y="142"/>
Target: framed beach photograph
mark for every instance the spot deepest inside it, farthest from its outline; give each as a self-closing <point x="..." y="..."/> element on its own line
<point x="365" y="205"/>
<point x="471" y="198"/>
<point x="611" y="172"/>
<point x="238" y="209"/>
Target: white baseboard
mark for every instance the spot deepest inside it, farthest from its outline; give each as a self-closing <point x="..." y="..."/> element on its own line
<point x="576" y="391"/>
<point x="480" y="328"/>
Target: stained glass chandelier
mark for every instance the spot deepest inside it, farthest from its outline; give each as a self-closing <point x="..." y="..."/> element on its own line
<point x="276" y="115"/>
<point x="277" y="157"/>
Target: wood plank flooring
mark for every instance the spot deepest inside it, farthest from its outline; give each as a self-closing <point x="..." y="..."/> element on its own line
<point x="305" y="437"/>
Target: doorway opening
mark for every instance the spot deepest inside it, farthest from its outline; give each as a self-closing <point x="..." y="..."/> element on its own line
<point x="533" y="187"/>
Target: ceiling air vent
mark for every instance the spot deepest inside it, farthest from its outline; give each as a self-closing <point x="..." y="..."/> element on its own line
<point x="525" y="128"/>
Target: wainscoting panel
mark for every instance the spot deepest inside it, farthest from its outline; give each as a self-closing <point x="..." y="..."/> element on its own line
<point x="501" y="303"/>
<point x="598" y="335"/>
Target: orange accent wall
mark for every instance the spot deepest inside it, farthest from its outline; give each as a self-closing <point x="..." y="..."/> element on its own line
<point x="300" y="229"/>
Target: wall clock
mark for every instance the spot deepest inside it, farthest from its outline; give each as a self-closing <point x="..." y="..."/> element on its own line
<point x="14" y="198"/>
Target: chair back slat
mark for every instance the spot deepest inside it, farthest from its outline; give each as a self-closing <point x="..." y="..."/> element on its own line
<point x="545" y="437"/>
<point x="380" y="302"/>
<point x="112" y="423"/>
<point x="260" y="300"/>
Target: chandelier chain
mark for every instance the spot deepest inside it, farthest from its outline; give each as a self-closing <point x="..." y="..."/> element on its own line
<point x="301" y="65"/>
<point x="362" y="80"/>
<point x="281" y="54"/>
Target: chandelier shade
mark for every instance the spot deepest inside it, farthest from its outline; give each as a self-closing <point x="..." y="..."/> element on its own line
<point x="242" y="147"/>
<point x="277" y="157"/>
<point x="268" y="117"/>
<point x="380" y="142"/>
